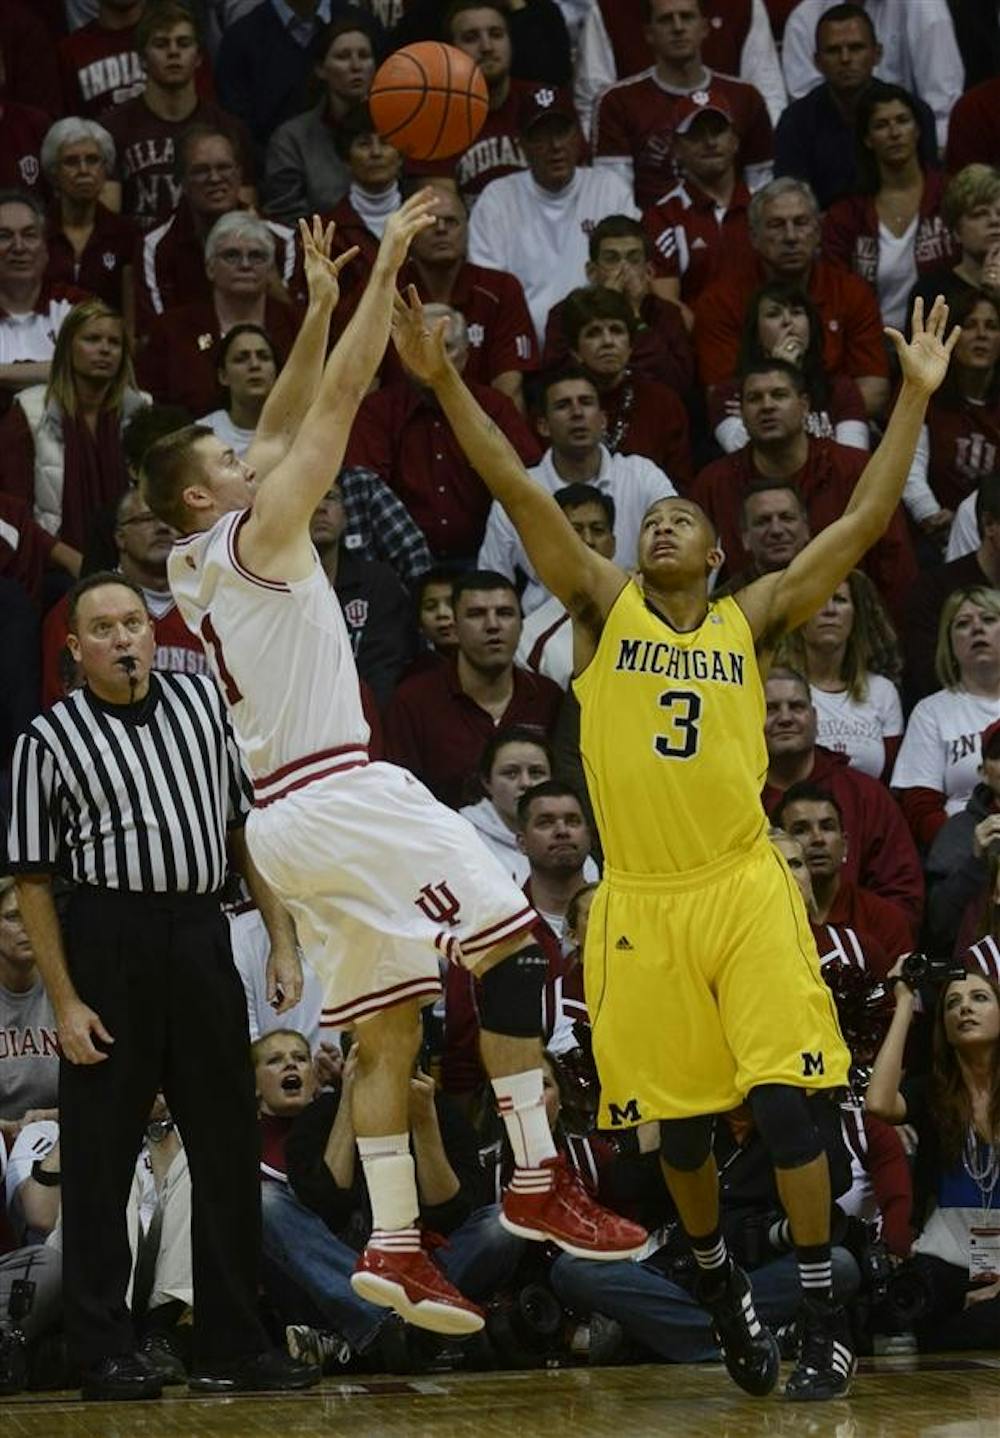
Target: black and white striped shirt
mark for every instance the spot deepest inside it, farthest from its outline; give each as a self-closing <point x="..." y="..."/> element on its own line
<point x="135" y="798"/>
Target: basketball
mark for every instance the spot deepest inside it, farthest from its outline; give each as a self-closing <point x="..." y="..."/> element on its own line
<point x="429" y="101"/>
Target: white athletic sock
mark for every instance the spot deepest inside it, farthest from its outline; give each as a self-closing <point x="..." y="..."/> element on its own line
<point x="392" y="1188"/>
<point x="521" y="1101"/>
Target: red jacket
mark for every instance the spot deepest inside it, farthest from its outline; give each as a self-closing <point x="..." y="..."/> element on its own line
<point x="881" y="854"/>
<point x="661" y="351"/>
<point x="864" y="926"/>
<point x="851" y="233"/>
<point x="852" y="325"/>
<point x="826" y="483"/>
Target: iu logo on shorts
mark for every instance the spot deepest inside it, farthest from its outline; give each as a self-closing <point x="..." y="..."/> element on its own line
<point x="439" y="903"/>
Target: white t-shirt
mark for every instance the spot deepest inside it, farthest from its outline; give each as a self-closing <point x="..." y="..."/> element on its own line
<point x="541" y="236"/>
<point x="634" y="483"/>
<point x="941" y="746"/>
<point x="859" y="728"/>
<point x="546" y="643"/>
<point x="897" y="272"/>
<point x="223" y="428"/>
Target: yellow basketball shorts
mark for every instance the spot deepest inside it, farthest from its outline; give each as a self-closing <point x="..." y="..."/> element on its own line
<point x="702" y="986"/>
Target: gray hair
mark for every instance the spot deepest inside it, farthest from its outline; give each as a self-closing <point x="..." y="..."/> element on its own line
<point x="458" y="330"/>
<point x="70" y="132"/>
<point x="787" y="185"/>
<point x="235" y="224"/>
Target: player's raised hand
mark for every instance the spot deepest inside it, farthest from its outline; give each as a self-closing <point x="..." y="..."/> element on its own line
<point x="415" y="214"/>
<point x="419" y="343"/>
<point x="924" y="360"/>
<point x="322" y="272"/>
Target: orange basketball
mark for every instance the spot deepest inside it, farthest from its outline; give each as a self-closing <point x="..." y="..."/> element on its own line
<point x="429" y="100"/>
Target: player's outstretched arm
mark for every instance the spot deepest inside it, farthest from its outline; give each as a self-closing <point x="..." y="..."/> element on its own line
<point x="578" y="576"/>
<point x="296" y="385"/>
<point x="780" y="602"/>
<point x="275" y="541"/>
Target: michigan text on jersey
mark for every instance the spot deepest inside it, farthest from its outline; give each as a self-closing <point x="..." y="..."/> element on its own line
<point x="648" y="656"/>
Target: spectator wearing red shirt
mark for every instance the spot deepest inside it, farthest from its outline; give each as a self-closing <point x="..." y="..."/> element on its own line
<point x="621" y="259"/>
<point x="89" y="245"/>
<point x="438" y="722"/>
<point x="704" y="215"/>
<point x="482" y="32"/>
<point x="641" y="416"/>
<point x="614" y="43"/>
<point x="146" y="129"/>
<point x="812" y="815"/>
<point x="974" y="128"/>
<point x="171" y="270"/>
<point x="783" y="323"/>
<point x="784" y="236"/>
<point x="882" y="856"/>
<point x="774" y="405"/>
<point x="22" y="130"/>
<point x="27" y="550"/>
<point x="372" y="197"/>
<point x="401" y="434"/>
<point x="635" y="119"/>
<point x="99" y="65"/>
<point x="178" y="364"/>
<point x="774" y="528"/>
<point x="960" y="440"/>
<point x="890" y="232"/>
<point x="502" y="344"/>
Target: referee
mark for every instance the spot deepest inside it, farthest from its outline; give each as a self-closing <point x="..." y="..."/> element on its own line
<point x="130" y="788"/>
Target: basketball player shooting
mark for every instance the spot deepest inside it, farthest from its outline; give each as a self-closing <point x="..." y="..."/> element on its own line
<point x="380" y="878"/>
<point x="702" y="977"/>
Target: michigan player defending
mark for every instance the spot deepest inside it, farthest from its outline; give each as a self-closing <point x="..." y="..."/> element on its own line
<point x="701" y="974"/>
<point x="379" y="877"/>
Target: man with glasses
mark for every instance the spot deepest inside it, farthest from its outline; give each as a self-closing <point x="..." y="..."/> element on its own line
<point x="146" y="130"/>
<point x="172" y="270"/>
<point x="31" y="309"/>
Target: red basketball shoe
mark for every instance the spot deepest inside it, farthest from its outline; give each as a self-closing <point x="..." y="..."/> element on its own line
<point x="402" y="1276"/>
<point x="562" y="1212"/>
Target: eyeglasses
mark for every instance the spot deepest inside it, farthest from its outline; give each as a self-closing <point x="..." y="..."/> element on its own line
<point x="211" y="172"/>
<point x="256" y="258"/>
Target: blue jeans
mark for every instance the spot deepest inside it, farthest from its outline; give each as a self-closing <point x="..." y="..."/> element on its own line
<point x="664" y="1316"/>
<point x="479" y="1255"/>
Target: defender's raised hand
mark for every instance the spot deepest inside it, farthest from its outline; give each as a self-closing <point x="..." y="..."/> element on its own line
<point x="414" y="215"/>
<point x="924" y="360"/>
<point x="322" y="273"/>
<point x="419" y="344"/>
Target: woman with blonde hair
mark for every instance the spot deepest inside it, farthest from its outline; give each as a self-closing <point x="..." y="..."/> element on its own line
<point x="938" y="763"/>
<point x="849" y="653"/>
<point x="61" y="443"/>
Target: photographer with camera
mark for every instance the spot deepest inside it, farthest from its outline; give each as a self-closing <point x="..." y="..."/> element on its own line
<point x="951" y="1283"/>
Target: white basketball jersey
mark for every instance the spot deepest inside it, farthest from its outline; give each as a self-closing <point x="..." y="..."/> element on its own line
<point x="280" y="651"/>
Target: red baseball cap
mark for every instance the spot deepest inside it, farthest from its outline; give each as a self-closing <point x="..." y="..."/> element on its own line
<point x="701" y="102"/>
<point x="989" y="737"/>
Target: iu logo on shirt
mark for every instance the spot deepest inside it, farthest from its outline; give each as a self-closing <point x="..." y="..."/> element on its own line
<point x="439" y="903"/>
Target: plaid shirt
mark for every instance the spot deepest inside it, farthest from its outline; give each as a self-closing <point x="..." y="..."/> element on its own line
<point x="379" y="525"/>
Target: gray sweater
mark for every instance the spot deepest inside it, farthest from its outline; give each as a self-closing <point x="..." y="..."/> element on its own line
<point x="954" y="875"/>
<point x="303" y="174"/>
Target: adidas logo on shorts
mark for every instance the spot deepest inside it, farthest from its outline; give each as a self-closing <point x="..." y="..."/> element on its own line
<point x="624" y="945"/>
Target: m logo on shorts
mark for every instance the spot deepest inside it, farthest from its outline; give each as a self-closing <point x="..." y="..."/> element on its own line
<point x="812" y="1064"/>
<point x="624" y="1113"/>
<point x="439" y="904"/>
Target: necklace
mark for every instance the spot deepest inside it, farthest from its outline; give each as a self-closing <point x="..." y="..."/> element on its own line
<point x="615" y="436"/>
<point x="983" y="1171"/>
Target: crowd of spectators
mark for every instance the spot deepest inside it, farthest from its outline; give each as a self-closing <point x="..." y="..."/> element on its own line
<point x="665" y="265"/>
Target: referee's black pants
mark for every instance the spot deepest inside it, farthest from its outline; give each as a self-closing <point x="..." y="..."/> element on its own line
<point x="159" y="971"/>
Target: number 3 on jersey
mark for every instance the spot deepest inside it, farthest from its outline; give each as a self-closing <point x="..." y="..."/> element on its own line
<point x="684" y="710"/>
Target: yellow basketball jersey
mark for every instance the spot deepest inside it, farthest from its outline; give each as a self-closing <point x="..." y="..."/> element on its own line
<point x="672" y="737"/>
